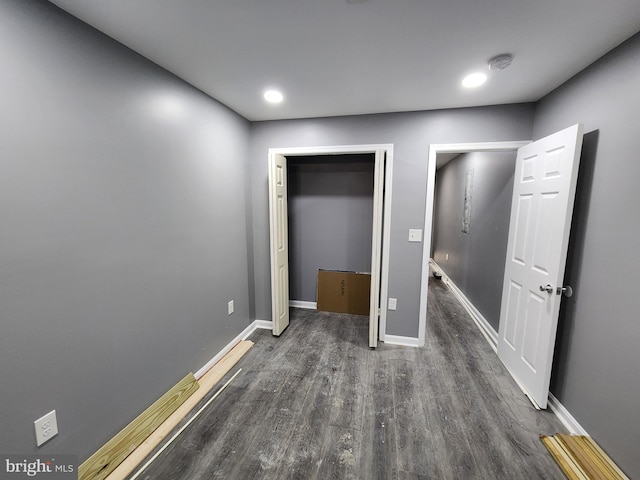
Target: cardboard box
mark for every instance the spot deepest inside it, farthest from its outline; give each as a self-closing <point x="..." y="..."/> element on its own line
<point x="343" y="292"/>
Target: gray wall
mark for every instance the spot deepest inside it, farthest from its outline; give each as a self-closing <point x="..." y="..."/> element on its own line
<point x="597" y="355"/>
<point x="476" y="259"/>
<point x="330" y="218"/>
<point x="122" y="205"/>
<point x="411" y="134"/>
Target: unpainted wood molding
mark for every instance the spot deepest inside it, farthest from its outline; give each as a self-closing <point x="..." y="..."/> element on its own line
<point x="206" y="383"/>
<point x="112" y="453"/>
<point x="580" y="458"/>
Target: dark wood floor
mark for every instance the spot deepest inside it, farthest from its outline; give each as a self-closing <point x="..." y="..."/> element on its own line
<point x="317" y="403"/>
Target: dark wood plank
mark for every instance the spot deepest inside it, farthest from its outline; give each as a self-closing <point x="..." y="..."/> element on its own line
<point x="349" y="388"/>
<point x="378" y="446"/>
<point x="302" y="452"/>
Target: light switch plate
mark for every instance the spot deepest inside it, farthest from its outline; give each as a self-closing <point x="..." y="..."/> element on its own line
<point x="393" y="303"/>
<point x="415" y="235"/>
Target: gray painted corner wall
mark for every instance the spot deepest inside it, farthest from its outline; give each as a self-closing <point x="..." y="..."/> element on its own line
<point x="330" y="218"/>
<point x="122" y="205"/>
<point x="595" y="373"/>
<point x="411" y="134"/>
<point x="476" y="259"/>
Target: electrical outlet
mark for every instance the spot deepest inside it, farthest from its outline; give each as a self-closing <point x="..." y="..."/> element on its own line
<point x="46" y="428"/>
<point x="446" y="256"/>
<point x="393" y="303"/>
<point x="230" y="308"/>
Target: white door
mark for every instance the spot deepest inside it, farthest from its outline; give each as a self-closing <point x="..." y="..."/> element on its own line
<point x="279" y="242"/>
<point x="541" y="209"/>
<point x="376" y="247"/>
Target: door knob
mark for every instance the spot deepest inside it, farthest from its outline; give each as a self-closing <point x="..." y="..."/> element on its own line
<point x="567" y="291"/>
<point x="548" y="288"/>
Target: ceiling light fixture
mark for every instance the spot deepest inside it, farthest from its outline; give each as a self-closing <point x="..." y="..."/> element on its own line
<point x="273" y="96"/>
<point x="474" y="80"/>
<point x="500" y="62"/>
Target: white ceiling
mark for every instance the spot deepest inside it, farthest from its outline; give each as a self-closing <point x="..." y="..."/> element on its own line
<point x="343" y="57"/>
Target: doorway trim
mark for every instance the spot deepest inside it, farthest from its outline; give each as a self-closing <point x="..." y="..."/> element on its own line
<point x="383" y="201"/>
<point x="434" y="150"/>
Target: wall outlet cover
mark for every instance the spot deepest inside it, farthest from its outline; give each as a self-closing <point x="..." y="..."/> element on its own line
<point x="46" y="427"/>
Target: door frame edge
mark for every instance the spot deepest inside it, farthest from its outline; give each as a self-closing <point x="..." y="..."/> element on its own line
<point x="386" y="201"/>
<point x="434" y="150"/>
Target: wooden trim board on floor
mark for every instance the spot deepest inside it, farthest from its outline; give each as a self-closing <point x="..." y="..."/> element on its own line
<point x="117" y="463"/>
<point x="206" y="382"/>
<point x="580" y="458"/>
<point x="112" y="453"/>
<point x="243" y="335"/>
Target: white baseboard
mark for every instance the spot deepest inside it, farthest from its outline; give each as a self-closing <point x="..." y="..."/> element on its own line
<point x="303" y="304"/>
<point x="241" y="336"/>
<point x="405" y="341"/>
<point x="265" y="324"/>
<point x="485" y="327"/>
<point x="565" y="417"/>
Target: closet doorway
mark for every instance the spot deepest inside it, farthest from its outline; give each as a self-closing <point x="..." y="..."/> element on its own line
<point x="279" y="230"/>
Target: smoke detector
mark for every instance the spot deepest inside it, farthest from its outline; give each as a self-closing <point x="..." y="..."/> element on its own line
<point x="500" y="62"/>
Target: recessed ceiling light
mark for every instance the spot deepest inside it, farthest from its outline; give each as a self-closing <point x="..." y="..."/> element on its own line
<point x="474" y="80"/>
<point x="273" y="96"/>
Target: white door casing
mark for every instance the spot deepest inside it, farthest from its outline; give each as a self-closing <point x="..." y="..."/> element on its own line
<point x="279" y="242"/>
<point x="542" y="205"/>
<point x="434" y="151"/>
<point x="376" y="246"/>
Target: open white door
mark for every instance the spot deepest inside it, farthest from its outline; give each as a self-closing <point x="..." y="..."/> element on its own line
<point x="541" y="209"/>
<point x="376" y="247"/>
<point x="279" y="242"/>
